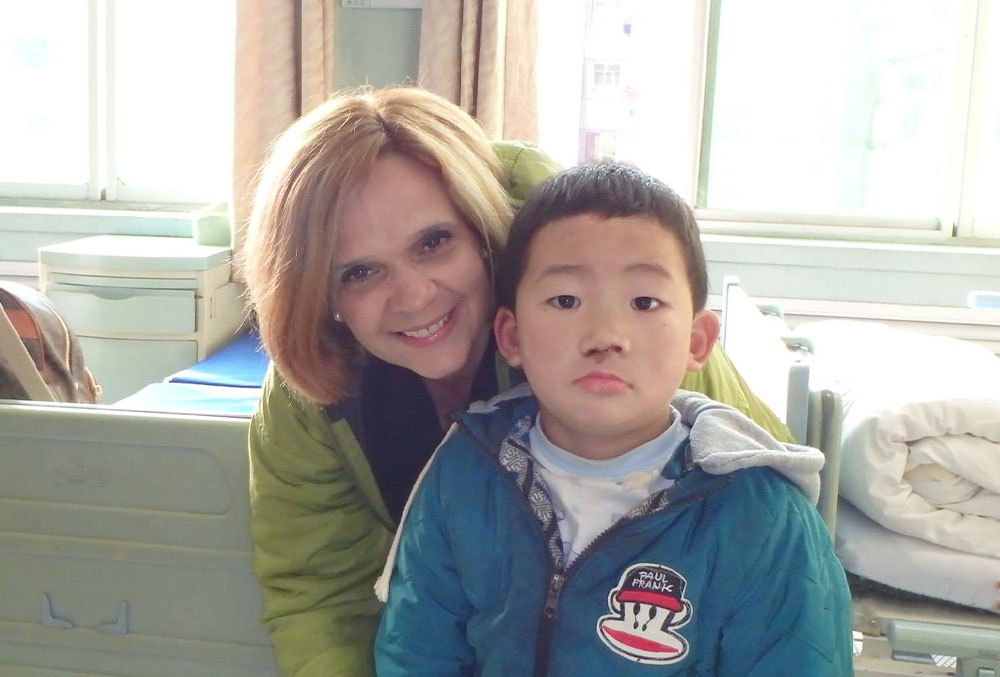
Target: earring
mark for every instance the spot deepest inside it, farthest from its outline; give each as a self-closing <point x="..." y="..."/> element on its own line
<point x="337" y="317"/>
<point x="485" y="253"/>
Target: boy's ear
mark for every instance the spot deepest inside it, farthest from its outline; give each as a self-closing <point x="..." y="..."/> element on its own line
<point x="505" y="329"/>
<point x="704" y="334"/>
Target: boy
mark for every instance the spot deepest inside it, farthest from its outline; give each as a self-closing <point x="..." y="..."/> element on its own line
<point x="612" y="526"/>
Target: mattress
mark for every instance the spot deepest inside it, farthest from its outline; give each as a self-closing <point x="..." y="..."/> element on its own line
<point x="193" y="398"/>
<point x="241" y="363"/>
<point x="907" y="563"/>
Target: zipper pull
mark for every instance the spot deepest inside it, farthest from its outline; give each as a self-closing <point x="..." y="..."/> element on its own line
<point x="545" y="628"/>
<point x="552" y="599"/>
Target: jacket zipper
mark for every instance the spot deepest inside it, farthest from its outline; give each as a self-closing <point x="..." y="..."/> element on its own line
<point x="557" y="578"/>
<point x="548" y="623"/>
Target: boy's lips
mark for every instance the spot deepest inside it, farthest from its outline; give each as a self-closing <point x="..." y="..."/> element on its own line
<point x="429" y="333"/>
<point x="602" y="383"/>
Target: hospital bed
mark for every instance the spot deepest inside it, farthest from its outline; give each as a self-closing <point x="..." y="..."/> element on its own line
<point x="938" y="632"/>
<point x="226" y="382"/>
<point x="124" y="534"/>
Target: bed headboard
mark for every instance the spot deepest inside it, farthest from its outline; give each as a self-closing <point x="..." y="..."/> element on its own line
<point x="753" y="340"/>
<point x="775" y="364"/>
<point x="124" y="544"/>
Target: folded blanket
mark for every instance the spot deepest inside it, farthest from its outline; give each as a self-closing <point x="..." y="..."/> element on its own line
<point x="921" y="430"/>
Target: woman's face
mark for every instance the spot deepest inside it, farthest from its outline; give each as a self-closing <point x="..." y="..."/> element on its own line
<point x="410" y="279"/>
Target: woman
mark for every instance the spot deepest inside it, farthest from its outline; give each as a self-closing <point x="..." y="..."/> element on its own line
<point x="369" y="263"/>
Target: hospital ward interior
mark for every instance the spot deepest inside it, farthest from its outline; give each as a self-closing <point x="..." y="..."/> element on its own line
<point x="843" y="162"/>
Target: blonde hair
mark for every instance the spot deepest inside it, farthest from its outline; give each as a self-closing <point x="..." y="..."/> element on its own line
<point x="291" y="239"/>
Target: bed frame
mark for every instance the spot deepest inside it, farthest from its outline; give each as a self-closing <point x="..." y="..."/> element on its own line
<point x="124" y="545"/>
<point x="901" y="637"/>
<point x="775" y="365"/>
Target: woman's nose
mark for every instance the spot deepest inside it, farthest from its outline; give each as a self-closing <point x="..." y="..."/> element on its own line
<point x="412" y="289"/>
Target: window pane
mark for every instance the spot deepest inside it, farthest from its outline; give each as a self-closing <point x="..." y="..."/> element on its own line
<point x="43" y="73"/>
<point x="173" y="91"/>
<point x="839" y="107"/>
<point x="616" y="80"/>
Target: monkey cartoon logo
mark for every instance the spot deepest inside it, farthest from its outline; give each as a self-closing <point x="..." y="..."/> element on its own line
<point x="647" y="608"/>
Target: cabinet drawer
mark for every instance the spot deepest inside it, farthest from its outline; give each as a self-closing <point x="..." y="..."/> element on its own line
<point x="122" y="367"/>
<point x="125" y="309"/>
<point x="76" y="279"/>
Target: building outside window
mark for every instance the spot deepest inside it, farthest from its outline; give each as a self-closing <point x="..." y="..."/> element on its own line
<point x="843" y="114"/>
<point x="607" y="74"/>
<point x="598" y="145"/>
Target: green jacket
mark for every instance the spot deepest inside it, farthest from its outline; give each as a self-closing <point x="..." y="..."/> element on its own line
<point x="320" y="528"/>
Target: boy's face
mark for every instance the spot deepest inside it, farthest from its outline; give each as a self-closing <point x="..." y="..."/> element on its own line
<point x="605" y="330"/>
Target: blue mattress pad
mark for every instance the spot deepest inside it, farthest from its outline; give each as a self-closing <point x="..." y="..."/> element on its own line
<point x="241" y="363"/>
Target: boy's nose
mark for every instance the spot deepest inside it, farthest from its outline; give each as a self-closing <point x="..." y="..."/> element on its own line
<point x="604" y="341"/>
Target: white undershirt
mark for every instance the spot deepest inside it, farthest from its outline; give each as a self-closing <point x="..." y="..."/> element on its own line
<point x="590" y="496"/>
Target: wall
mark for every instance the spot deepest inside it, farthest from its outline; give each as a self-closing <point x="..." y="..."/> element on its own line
<point x="838" y="270"/>
<point x="376" y="46"/>
<point x="24" y="229"/>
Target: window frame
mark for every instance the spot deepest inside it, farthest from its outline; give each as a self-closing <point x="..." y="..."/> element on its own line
<point x="986" y="15"/>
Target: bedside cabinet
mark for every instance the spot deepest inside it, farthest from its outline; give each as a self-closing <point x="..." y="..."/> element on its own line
<point x="142" y="307"/>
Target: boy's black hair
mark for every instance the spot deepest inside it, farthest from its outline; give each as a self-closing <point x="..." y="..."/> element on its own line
<point x="605" y="189"/>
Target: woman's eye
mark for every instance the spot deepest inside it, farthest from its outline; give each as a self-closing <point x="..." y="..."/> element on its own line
<point x="564" y="301"/>
<point x="645" y="303"/>
<point x="356" y="274"/>
<point x="434" y="241"/>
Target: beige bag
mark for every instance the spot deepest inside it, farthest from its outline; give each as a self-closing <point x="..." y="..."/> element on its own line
<point x="40" y="357"/>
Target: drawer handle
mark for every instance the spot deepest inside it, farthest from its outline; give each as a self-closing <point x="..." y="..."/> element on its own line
<point x="113" y="294"/>
<point x="105" y="293"/>
<point x="119" y="626"/>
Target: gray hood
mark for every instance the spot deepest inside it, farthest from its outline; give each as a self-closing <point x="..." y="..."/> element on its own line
<point x="724" y="440"/>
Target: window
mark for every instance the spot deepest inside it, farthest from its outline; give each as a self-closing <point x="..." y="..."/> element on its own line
<point x="841" y="114"/>
<point x="598" y="145"/>
<point x="117" y="100"/>
<point x="607" y="75"/>
<point x="43" y="65"/>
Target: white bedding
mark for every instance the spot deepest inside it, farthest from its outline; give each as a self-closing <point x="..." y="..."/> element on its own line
<point x="921" y="430"/>
<point x="912" y="564"/>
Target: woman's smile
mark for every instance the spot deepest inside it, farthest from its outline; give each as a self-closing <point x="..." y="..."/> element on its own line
<point x="431" y="333"/>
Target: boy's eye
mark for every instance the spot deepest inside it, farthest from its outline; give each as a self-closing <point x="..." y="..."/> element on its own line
<point x="564" y="301"/>
<point x="644" y="303"/>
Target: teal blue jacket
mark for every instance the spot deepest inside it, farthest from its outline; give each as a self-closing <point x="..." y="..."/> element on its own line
<point x="722" y="574"/>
